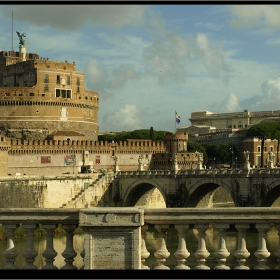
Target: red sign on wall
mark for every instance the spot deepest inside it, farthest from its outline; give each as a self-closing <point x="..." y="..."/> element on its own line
<point x="97" y="159"/>
<point x="45" y="159"/>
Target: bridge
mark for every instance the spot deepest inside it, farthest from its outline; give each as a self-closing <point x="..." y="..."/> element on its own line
<point x="117" y="238"/>
<point x="258" y="187"/>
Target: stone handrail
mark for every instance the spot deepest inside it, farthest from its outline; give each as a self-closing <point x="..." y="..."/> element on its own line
<point x="122" y="231"/>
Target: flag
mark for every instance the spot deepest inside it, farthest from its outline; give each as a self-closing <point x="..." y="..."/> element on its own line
<point x="177" y="117"/>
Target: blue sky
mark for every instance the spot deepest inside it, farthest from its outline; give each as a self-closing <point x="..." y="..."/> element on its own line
<point x="148" y="61"/>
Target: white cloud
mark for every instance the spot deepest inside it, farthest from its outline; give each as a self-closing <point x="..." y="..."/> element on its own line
<point x="229" y="104"/>
<point x="72" y="17"/>
<point x="271" y="96"/>
<point x="121" y="75"/>
<point x="213" y="58"/>
<point x="255" y="15"/>
<point x="125" y="118"/>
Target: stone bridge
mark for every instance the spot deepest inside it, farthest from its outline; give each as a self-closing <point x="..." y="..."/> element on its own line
<point x="256" y="187"/>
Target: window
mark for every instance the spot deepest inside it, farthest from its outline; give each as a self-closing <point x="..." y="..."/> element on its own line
<point x="63" y="93"/>
<point x="48" y="66"/>
<point x="7" y="94"/>
<point x="271" y="148"/>
<point x="68" y="80"/>
<point x="31" y="94"/>
<point x="78" y="89"/>
<point x="46" y="87"/>
<point x="265" y="149"/>
<point x="58" y="79"/>
<point x="30" y="74"/>
<point x="46" y="78"/>
<point x="78" y="81"/>
<point x="259" y="148"/>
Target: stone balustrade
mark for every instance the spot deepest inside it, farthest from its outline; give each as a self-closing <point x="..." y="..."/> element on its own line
<point x="119" y="234"/>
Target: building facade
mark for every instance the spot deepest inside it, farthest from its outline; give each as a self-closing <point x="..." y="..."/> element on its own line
<point x="39" y="96"/>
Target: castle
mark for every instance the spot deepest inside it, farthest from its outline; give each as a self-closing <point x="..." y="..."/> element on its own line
<point x="39" y="97"/>
<point x="49" y="124"/>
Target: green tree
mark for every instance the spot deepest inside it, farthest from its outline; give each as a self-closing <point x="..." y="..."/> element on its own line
<point x="152" y="135"/>
<point x="197" y="147"/>
<point x="262" y="131"/>
<point x="276" y="136"/>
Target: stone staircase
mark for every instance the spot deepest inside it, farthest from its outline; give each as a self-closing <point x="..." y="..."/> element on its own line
<point x="82" y="191"/>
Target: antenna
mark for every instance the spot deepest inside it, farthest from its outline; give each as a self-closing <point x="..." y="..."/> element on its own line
<point x="12" y="31"/>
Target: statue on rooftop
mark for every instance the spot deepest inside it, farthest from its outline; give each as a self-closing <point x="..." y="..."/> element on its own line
<point x="21" y="40"/>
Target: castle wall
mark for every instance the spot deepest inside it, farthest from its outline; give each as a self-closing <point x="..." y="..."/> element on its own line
<point x="45" y="157"/>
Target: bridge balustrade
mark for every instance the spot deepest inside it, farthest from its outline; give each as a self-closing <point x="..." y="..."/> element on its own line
<point x="160" y="220"/>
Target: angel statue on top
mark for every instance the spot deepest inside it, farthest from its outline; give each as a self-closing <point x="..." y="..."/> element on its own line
<point x="21" y="40"/>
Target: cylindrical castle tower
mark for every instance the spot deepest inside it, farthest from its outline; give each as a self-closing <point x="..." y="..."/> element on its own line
<point x="176" y="142"/>
<point x="40" y="96"/>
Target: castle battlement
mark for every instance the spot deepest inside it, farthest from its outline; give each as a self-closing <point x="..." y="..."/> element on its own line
<point x="79" y="146"/>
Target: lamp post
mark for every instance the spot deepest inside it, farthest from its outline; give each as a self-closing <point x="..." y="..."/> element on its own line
<point x="235" y="162"/>
<point x="73" y="156"/>
<point x="214" y="163"/>
<point x="232" y="159"/>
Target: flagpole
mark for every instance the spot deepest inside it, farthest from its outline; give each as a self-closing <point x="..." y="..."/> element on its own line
<point x="175" y="121"/>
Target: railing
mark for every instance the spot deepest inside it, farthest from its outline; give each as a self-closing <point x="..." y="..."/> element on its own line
<point x="130" y="249"/>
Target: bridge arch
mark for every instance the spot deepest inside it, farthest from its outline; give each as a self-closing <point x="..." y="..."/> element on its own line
<point x="202" y="194"/>
<point x="138" y="189"/>
<point x="269" y="200"/>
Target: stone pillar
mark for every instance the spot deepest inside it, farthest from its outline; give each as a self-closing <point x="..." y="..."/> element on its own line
<point x="140" y="165"/>
<point x="201" y="253"/>
<point x="262" y="253"/>
<point x="175" y="163"/>
<point x="116" y="166"/>
<point x="247" y="162"/>
<point x="182" y="252"/>
<point x="271" y="159"/>
<point x="199" y="162"/>
<point x="22" y="50"/>
<point x="222" y="253"/>
<point x="112" y="237"/>
<point x="241" y="253"/>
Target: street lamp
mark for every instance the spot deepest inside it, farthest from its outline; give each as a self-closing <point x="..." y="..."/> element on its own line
<point x="73" y="157"/>
<point x="214" y="163"/>
<point x="235" y="162"/>
<point x="232" y="159"/>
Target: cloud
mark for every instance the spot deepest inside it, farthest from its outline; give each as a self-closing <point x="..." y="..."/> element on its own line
<point x="229" y="104"/>
<point x="164" y="58"/>
<point x="213" y="58"/>
<point x="125" y="118"/>
<point x="72" y="17"/>
<point x="121" y="75"/>
<point x="271" y="96"/>
<point x="255" y="15"/>
<point x="103" y="81"/>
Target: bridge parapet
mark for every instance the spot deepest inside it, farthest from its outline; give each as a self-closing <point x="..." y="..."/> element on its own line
<point x="125" y="229"/>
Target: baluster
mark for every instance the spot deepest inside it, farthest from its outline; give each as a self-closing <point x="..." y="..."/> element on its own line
<point x="262" y="253"/>
<point x="10" y="253"/>
<point x="30" y="253"/>
<point x="83" y="256"/>
<point x="161" y="253"/>
<point x="241" y="253"/>
<point x="144" y="253"/>
<point x="69" y="253"/>
<point x="277" y="253"/>
<point x="182" y="252"/>
<point x="222" y="253"/>
<point x="201" y="253"/>
<point x="49" y="254"/>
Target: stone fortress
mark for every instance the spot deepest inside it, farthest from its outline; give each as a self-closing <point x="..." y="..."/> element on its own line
<point x="49" y="124"/>
<point x="39" y="96"/>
